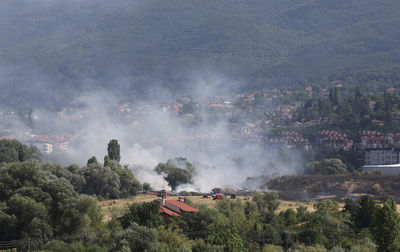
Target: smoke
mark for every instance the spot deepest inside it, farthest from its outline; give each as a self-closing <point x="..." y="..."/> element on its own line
<point x="81" y="77"/>
<point x="149" y="132"/>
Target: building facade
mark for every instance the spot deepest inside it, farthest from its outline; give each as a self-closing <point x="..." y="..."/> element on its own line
<point x="381" y="157"/>
<point x="384" y="160"/>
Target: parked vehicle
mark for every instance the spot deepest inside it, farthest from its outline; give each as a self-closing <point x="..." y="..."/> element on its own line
<point x="218" y="196"/>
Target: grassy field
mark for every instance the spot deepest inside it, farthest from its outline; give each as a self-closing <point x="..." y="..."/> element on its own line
<point x="116" y="207"/>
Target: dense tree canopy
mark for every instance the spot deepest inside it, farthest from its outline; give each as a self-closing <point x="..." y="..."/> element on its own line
<point x="12" y="151"/>
<point x="176" y="172"/>
<point x="262" y="42"/>
<point x="326" y="167"/>
<point x="37" y="204"/>
<point x="46" y="205"/>
<point x="386" y="223"/>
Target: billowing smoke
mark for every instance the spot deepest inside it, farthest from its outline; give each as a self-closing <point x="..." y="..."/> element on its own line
<point x="150" y="131"/>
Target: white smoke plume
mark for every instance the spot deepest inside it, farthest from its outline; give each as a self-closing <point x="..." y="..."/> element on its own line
<point x="148" y="135"/>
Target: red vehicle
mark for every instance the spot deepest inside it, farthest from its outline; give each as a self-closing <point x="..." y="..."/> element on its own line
<point x="218" y="196"/>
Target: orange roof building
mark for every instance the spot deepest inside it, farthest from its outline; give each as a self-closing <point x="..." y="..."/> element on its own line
<point x="166" y="211"/>
<point x="171" y="208"/>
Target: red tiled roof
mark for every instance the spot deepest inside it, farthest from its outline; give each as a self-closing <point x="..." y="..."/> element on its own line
<point x="42" y="137"/>
<point x="217" y="105"/>
<point x="183" y="206"/>
<point x="11" y="137"/>
<point x="168" y="212"/>
<point x="378" y="139"/>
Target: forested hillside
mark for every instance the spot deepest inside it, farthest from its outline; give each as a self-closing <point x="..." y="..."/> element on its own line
<point x="133" y="44"/>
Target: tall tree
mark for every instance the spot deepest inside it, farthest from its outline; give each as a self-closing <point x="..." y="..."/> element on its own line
<point x="386" y="227"/>
<point x="360" y="212"/>
<point x="267" y="204"/>
<point x="113" y="150"/>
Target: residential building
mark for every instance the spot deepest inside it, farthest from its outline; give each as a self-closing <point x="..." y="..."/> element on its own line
<point x="373" y="140"/>
<point x="174" y="208"/>
<point x="335" y="140"/>
<point x="381" y="157"/>
<point x="383" y="160"/>
<point x="44" y="147"/>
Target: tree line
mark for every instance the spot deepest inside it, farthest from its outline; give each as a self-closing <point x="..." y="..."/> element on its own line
<point x="48" y="207"/>
<point x="254" y="225"/>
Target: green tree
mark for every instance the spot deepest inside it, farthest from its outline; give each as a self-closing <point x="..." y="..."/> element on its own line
<point x="386" y="227"/>
<point x="26" y="210"/>
<point x="201" y="220"/>
<point x="201" y="246"/>
<point x="22" y="153"/>
<point x="12" y="151"/>
<point x="113" y="150"/>
<point x="171" y="240"/>
<point x="101" y="181"/>
<point x="147" y="187"/>
<point x="267" y="204"/>
<point x="39" y="204"/>
<point x="325" y="226"/>
<point x="130" y="186"/>
<point x="174" y="174"/>
<point x="107" y="161"/>
<point x="361" y="212"/>
<point x="145" y="214"/>
<point x="326" y="167"/>
<point x="226" y="233"/>
<point x="92" y="161"/>
<point x="177" y="177"/>
<point x="136" y="238"/>
<point x="8" y="155"/>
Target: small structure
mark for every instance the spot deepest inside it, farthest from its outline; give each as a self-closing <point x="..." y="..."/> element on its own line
<point x="44" y="147"/>
<point x="174" y="208"/>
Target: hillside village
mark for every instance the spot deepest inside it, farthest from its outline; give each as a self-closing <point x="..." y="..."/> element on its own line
<point x="278" y="117"/>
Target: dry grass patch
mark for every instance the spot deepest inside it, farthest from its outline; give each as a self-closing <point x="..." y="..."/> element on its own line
<point x="285" y="204"/>
<point x="117" y="207"/>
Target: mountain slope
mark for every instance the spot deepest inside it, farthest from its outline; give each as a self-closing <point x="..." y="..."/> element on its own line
<point x="262" y="42"/>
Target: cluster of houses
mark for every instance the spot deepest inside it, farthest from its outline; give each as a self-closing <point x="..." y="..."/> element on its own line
<point x="334" y="140"/>
<point x="49" y="144"/>
<point x="376" y="140"/>
<point x="45" y="143"/>
<point x="325" y="138"/>
<point x="73" y="113"/>
<point x="290" y="139"/>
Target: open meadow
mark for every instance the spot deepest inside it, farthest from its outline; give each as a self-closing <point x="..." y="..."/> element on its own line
<point x="116" y="207"/>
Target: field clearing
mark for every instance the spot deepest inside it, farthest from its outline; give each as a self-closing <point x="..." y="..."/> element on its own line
<point x="117" y="206"/>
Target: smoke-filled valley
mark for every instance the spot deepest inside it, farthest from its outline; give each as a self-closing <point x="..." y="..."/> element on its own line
<point x="226" y="85"/>
<point x="225" y="143"/>
<point x="201" y="125"/>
